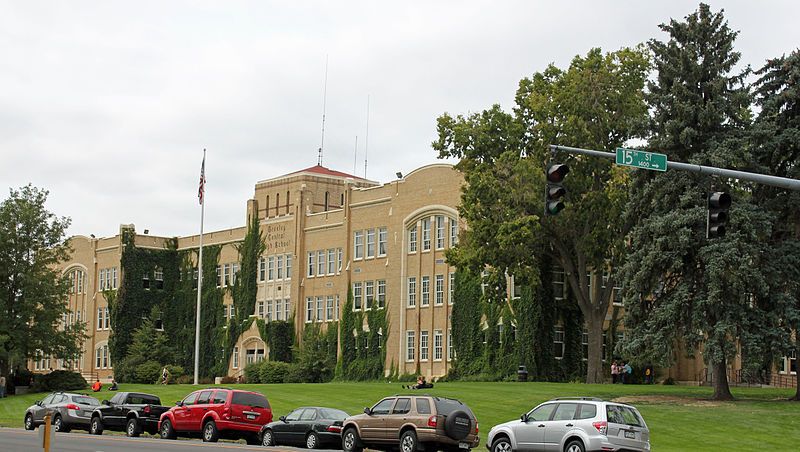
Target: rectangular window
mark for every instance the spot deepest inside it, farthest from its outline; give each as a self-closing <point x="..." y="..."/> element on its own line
<point x="226" y="275"/>
<point x="311" y="267"/>
<point x="358" y="245"/>
<point x="370" y="243"/>
<point x="451" y="288"/>
<point x="369" y="294"/>
<point x="516" y="289"/>
<point x="102" y="279"/>
<point x="309" y="309"/>
<point x="262" y="269"/>
<point x="320" y="307"/>
<point x="105" y="357"/>
<point x="382" y="242"/>
<point x="356" y="296"/>
<point x="440" y="232"/>
<point x="107" y="321"/>
<point x="411" y="345"/>
<point x="234" y="273"/>
<point x="558" y="284"/>
<point x="423" y="345"/>
<point x="114" y="277"/>
<point x="98" y="360"/>
<point x="321" y="263"/>
<point x="426" y="234"/>
<point x="236" y="357"/>
<point x="100" y="312"/>
<point x="286" y="309"/>
<point x="339" y="257"/>
<point x="381" y="294"/>
<point x="279" y="266"/>
<point x="426" y="291"/>
<point x="159" y="276"/>
<point x="437" y="345"/>
<point x="288" y="266"/>
<point x="412" y="239"/>
<point x="331" y="261"/>
<point x="558" y="343"/>
<point x="260" y="309"/>
<point x="336" y="309"/>
<point x="271" y="268"/>
<point x="219" y="276"/>
<point x="329" y="308"/>
<point x="453" y="231"/>
<point x="439" y="288"/>
<point x="412" y="291"/>
<point x="450" y="352"/>
<point x="277" y="314"/>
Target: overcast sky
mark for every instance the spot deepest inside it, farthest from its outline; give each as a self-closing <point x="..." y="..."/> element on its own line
<point x="109" y="104"/>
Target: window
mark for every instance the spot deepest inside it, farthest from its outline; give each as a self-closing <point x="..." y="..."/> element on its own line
<point x="236" y="357"/>
<point x="412" y="291"/>
<point x="382" y="242"/>
<point x="516" y="289"/>
<point x="450" y="353"/>
<point x="271" y="268"/>
<point x="410" y="345"/>
<point x="451" y="287"/>
<point x="234" y="273"/>
<point x="204" y="398"/>
<point x="100" y="312"/>
<point x="587" y="411"/>
<point x="321" y="263"/>
<point x="558" y="343"/>
<point x="159" y="277"/>
<point x="439" y="290"/>
<point x="309" y="309"/>
<point x="225" y="312"/>
<point x="288" y="266"/>
<point x="80" y="277"/>
<point x="107" y="320"/>
<point x="262" y="269"/>
<point x="336" y="307"/>
<point x="219" y="276"/>
<point x="279" y="266"/>
<point x="423" y="406"/>
<point x="426" y="234"/>
<point x="356" y="296"/>
<point x="439" y="232"/>
<point x="412" y="239"/>
<point x="339" y="259"/>
<point x="383" y="407"/>
<point x="320" y="307"/>
<point x="358" y="245"/>
<point x="286" y="309"/>
<point x="542" y="413"/>
<point x="423" y="345"/>
<point x="453" y="231"/>
<point x="558" y="284"/>
<point x="146" y="281"/>
<point x="381" y="294"/>
<point x="402" y="406"/>
<point x="311" y="255"/>
<point x="260" y="309"/>
<point x="437" y="345"/>
<point x="269" y="310"/>
<point x="278" y="315"/>
<point x="369" y="294"/>
<point x="101" y="279"/>
<point x="331" y="261"/>
<point x="220" y="397"/>
<point x="426" y="291"/>
<point x="329" y="308"/>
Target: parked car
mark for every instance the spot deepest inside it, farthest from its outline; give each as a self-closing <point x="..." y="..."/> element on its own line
<point x="312" y="427"/>
<point x="573" y="425"/>
<point x="67" y="410"/>
<point x="412" y="423"/>
<point x="132" y="412"/>
<point x="216" y="413"/>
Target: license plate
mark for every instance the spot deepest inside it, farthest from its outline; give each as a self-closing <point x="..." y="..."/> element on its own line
<point x="630" y="435"/>
<point x="251" y="416"/>
<point x="463" y="445"/>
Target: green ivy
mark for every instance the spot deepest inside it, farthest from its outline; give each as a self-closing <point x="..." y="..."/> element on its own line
<point x="363" y="351"/>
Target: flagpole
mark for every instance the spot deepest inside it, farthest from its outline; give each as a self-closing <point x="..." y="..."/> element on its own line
<point x="199" y="272"/>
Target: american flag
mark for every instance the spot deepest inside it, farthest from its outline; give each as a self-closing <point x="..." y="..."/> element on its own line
<point x="201" y="190"/>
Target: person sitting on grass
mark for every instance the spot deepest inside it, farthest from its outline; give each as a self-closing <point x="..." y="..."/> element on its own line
<point x="113" y="386"/>
<point x="97" y="386"/>
<point x="421" y="384"/>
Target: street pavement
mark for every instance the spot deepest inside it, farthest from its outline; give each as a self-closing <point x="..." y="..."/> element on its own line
<point x="19" y="440"/>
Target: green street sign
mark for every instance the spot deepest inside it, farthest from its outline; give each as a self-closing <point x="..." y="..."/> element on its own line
<point x="641" y="159"/>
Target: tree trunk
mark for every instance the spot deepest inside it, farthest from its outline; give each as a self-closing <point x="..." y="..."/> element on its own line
<point x="594" y="362"/>
<point x="721" y="389"/>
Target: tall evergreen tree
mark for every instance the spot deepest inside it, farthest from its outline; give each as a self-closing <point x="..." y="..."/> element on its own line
<point x="682" y="288"/>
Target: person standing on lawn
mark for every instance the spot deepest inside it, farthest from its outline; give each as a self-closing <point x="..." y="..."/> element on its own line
<point x="614" y="372"/>
<point x="2" y="386"/>
<point x="627" y="370"/>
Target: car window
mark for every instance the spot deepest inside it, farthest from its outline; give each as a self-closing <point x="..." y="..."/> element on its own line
<point x="309" y="414"/>
<point x="85" y="400"/>
<point x="542" y="413"/>
<point x="249" y="399"/>
<point x="204" y="397"/>
<point x="448" y="406"/>
<point x="190" y="399"/>
<point x="294" y="415"/>
<point x="586" y="411"/>
<point x="220" y="397"/>
<point x="383" y="406"/>
<point x="618" y="414"/>
<point x="565" y="411"/>
<point x="143" y="399"/>
<point x="48" y="399"/>
<point x="402" y="406"/>
<point x="118" y="398"/>
<point x="58" y="398"/>
<point x="336" y="415"/>
<point x="423" y="406"/>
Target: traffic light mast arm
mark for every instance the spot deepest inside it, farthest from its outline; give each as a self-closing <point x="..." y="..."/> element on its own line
<point x="775" y="181"/>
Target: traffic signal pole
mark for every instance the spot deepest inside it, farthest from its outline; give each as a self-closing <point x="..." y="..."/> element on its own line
<point x="775" y="181"/>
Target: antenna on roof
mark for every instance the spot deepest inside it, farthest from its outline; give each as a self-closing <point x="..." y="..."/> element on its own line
<point x="355" y="155"/>
<point x="366" y="141"/>
<point x="324" y="104"/>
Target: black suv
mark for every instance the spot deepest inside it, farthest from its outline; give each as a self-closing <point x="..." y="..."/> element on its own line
<point x="133" y="412"/>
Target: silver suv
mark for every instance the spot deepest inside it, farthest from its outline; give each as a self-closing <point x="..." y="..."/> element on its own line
<point x="573" y="425"/>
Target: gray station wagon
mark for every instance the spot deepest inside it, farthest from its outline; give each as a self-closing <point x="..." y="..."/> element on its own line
<point x="66" y="410"/>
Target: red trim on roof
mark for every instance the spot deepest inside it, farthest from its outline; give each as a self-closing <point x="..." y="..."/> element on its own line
<point x="319" y="169"/>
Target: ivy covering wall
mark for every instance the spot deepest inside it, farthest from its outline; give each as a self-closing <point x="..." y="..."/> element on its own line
<point x="363" y="346"/>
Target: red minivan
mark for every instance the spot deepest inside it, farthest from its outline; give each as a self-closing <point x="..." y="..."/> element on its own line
<point x="216" y="413"/>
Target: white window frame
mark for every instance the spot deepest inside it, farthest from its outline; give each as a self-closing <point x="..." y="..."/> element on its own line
<point x="453" y="231"/>
<point x="450" y="350"/>
<point x="370" y="243"/>
<point x="425" y="291"/>
<point x="440" y="232"/>
<point x="412" y="239"/>
<point x="382" y="234"/>
<point x="331" y="261"/>
<point x="380" y="299"/>
<point x="320" y="308"/>
<point x="439" y="290"/>
<point x="271" y="268"/>
<point x="357" y="296"/>
<point x="321" y="263"/>
<point x="288" y="266"/>
<point x="411" y="291"/>
<point x="279" y="267"/>
<point x="437" y="345"/>
<point x="329" y="311"/>
<point x="309" y="309"/>
<point x="369" y="295"/>
<point x="236" y="357"/>
<point x="451" y="288"/>
<point x="311" y="263"/>
<point x="423" y="345"/>
<point x="262" y="270"/>
<point x="426" y="234"/>
<point x="411" y="345"/>
<point x="558" y="338"/>
<point x="358" y="245"/>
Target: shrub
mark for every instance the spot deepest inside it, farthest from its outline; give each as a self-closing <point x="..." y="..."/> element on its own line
<point x="59" y="380"/>
<point x="175" y="372"/>
<point x="226" y="380"/>
<point x="274" y="372"/>
<point x="147" y="373"/>
<point x="23" y="377"/>
<point x="296" y="374"/>
<point x="668" y="381"/>
<point x="184" y="380"/>
<point x="251" y="372"/>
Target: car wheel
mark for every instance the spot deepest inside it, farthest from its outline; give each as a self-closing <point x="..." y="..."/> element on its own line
<point x="408" y="441"/>
<point x="96" y="427"/>
<point x="350" y="441"/>
<point x="312" y="440"/>
<point x="132" y="429"/>
<point x="59" y="426"/>
<point x="166" y="431"/>
<point x="29" y="422"/>
<point x="575" y="446"/>
<point x="267" y="439"/>
<point x="501" y="444"/>
<point x="210" y="432"/>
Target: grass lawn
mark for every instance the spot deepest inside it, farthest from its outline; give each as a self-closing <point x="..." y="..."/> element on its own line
<point x="680" y="418"/>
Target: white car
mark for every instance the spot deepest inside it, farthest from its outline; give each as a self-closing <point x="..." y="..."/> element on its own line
<point x="577" y="424"/>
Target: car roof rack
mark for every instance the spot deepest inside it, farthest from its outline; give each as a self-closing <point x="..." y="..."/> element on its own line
<point x="593" y="399"/>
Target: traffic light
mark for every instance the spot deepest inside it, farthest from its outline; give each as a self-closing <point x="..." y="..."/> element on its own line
<point x="718" y="204"/>
<point x="554" y="189"/>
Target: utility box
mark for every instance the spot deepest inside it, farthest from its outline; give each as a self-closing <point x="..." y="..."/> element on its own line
<point x="522" y="373"/>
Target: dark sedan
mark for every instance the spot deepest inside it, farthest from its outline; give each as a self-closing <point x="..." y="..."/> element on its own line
<point x="312" y="427"/>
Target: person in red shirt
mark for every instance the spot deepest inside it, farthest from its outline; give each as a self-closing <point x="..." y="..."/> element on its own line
<point x="97" y="386"/>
